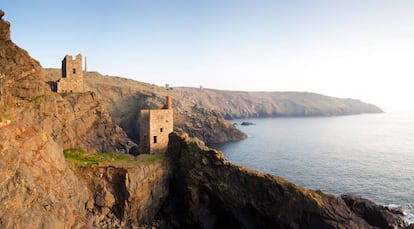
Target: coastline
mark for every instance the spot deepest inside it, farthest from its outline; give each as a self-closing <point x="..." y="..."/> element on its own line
<point x="246" y="153"/>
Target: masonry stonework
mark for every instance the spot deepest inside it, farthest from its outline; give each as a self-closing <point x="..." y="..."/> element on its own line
<point x="72" y="77"/>
<point x="155" y="126"/>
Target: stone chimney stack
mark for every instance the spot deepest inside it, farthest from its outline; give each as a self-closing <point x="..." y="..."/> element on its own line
<point x="86" y="64"/>
<point x="168" y="103"/>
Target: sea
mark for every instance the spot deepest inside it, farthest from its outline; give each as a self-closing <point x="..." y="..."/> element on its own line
<point x="368" y="155"/>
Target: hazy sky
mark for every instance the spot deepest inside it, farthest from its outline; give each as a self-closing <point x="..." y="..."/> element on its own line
<point x="353" y="49"/>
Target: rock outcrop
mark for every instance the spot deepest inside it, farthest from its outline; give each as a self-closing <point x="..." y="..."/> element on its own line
<point x="73" y="120"/>
<point x="21" y="77"/>
<point x="76" y="120"/>
<point x="376" y="215"/>
<point x="125" y="197"/>
<point x="37" y="189"/>
<point x="209" y="192"/>
<point x="208" y="125"/>
<point x="4" y="28"/>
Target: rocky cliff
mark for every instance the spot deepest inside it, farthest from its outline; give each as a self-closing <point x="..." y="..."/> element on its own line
<point x="37" y="189"/>
<point x="209" y="192"/>
<point x="194" y="187"/>
<point x="75" y="120"/>
<point x="202" y="113"/>
<point x="40" y="189"/>
<point x="46" y="183"/>
<point x="125" y="193"/>
<point x="21" y="77"/>
<point x="124" y="99"/>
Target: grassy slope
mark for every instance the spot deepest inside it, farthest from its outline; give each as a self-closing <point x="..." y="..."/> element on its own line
<point x="231" y="104"/>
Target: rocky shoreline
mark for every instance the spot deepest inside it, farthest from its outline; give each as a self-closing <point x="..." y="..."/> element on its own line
<point x="46" y="183"/>
<point x="214" y="193"/>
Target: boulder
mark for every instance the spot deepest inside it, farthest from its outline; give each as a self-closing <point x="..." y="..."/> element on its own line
<point x="376" y="215"/>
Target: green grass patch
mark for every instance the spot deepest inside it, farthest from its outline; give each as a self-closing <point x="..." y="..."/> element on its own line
<point x="79" y="157"/>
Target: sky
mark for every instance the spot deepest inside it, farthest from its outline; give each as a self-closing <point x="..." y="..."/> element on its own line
<point x="361" y="49"/>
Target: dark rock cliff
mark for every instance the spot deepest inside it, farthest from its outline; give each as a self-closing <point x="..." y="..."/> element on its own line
<point x="209" y="192"/>
<point x="126" y="196"/>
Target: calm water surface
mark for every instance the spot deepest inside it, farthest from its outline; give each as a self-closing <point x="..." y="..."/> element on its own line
<point x="367" y="155"/>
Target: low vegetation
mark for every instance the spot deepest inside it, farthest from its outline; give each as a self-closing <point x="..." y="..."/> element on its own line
<point x="79" y="157"/>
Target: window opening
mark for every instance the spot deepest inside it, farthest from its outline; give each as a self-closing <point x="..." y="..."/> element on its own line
<point x="155" y="139"/>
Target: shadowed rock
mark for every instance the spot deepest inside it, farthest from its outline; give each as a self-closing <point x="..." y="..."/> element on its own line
<point x="209" y="192"/>
<point x="374" y="214"/>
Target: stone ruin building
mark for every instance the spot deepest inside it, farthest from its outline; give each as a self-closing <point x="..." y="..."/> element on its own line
<point x="155" y="126"/>
<point x="72" y="77"/>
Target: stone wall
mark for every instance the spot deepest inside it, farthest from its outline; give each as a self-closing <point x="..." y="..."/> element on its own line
<point x="144" y="125"/>
<point x="155" y="126"/>
<point x="72" y="77"/>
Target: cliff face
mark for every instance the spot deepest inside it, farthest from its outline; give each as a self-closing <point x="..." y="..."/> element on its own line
<point x="21" y="77"/>
<point x="37" y="189"/>
<point x="77" y="120"/>
<point x="73" y="120"/>
<point x="123" y="197"/>
<point x="124" y="99"/>
<point x="209" y="192"/>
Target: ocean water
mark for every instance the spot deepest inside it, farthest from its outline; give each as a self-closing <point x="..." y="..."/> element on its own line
<point x="370" y="155"/>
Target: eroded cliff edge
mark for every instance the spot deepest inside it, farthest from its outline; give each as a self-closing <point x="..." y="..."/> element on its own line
<point x="39" y="188"/>
<point x="207" y="191"/>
